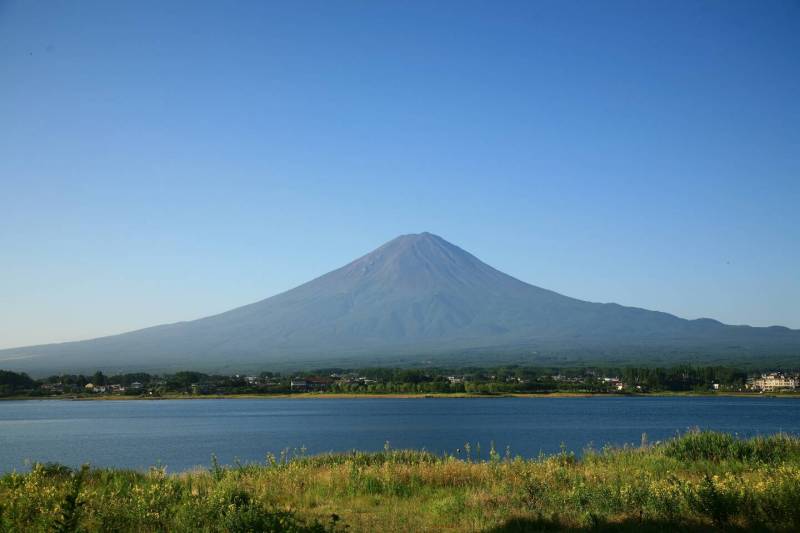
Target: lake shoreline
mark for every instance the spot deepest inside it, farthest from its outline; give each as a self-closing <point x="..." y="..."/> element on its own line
<point x="368" y="396"/>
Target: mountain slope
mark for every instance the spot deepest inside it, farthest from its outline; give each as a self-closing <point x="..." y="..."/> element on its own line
<point x="417" y="295"/>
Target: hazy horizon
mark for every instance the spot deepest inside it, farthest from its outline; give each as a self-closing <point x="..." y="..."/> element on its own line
<point x="161" y="163"/>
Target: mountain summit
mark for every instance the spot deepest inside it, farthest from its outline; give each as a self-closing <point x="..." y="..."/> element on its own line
<point x="417" y="296"/>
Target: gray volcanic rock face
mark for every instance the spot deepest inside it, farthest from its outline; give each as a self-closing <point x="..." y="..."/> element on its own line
<point x="417" y="295"/>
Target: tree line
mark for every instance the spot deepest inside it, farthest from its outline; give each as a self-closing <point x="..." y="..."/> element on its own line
<point x="376" y="380"/>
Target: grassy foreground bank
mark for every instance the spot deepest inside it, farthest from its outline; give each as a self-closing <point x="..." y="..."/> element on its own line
<point x="699" y="481"/>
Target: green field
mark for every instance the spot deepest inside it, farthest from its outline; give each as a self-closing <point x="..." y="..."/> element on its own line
<point x="699" y="481"/>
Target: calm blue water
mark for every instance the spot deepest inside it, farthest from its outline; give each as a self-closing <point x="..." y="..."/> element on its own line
<point x="181" y="434"/>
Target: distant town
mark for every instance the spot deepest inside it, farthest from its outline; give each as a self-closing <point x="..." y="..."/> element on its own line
<point x="376" y="381"/>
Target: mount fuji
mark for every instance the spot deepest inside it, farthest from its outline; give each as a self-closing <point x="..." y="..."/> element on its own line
<point x="416" y="298"/>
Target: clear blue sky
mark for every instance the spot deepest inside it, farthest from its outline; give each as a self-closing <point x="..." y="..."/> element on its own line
<point x="162" y="161"/>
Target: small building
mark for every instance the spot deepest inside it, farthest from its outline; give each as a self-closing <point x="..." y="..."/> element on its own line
<point x="311" y="383"/>
<point x="319" y="382"/>
<point x="773" y="382"/>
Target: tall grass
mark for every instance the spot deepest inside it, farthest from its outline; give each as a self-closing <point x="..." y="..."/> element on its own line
<point x="710" y="446"/>
<point x="698" y="481"/>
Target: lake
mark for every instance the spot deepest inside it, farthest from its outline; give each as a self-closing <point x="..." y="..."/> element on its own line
<point x="181" y="434"/>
